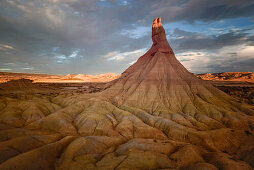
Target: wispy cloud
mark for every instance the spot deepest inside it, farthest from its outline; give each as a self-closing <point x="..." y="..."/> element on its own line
<point x="137" y="32"/>
<point x="62" y="58"/>
<point x="203" y="61"/>
<point x="118" y="56"/>
<point x="28" y="68"/>
<point x="5" y="47"/>
<point x="124" y="2"/>
<point x="5" y="69"/>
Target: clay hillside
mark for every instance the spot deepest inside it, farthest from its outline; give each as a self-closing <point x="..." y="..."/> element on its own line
<point x="156" y="115"/>
<point x="79" y="78"/>
<point x="45" y="78"/>
<point x="228" y="76"/>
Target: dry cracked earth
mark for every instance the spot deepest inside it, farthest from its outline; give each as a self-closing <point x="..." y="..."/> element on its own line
<point x="41" y="129"/>
<point x="157" y="115"/>
<point x="45" y="129"/>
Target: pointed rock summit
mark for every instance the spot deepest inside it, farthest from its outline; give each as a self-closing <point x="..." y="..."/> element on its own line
<point x="160" y="41"/>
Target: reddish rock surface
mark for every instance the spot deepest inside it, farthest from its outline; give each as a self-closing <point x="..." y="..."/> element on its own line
<point x="228" y="76"/>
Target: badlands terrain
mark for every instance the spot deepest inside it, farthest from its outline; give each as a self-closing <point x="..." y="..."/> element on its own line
<point x="156" y="115"/>
<point x="70" y="78"/>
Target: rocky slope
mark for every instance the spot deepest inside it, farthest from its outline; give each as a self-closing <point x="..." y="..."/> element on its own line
<point x="157" y="115"/>
<point x="228" y="76"/>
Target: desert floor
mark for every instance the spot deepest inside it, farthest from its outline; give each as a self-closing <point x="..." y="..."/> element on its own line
<point x="41" y="127"/>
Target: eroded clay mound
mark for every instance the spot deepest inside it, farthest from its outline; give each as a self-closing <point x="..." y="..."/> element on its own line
<point x="228" y="76"/>
<point x="157" y="115"/>
<point x="16" y="85"/>
<point x="88" y="132"/>
<point x="161" y="84"/>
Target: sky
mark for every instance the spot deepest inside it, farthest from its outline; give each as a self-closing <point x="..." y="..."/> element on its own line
<point x="100" y="36"/>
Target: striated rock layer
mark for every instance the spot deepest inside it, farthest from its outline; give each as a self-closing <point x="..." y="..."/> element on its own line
<point x="228" y="76"/>
<point x="157" y="115"/>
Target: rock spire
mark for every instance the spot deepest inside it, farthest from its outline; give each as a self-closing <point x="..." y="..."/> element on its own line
<point x="159" y="82"/>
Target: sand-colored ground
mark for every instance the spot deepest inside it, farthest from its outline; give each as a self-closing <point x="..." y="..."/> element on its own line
<point x="32" y="131"/>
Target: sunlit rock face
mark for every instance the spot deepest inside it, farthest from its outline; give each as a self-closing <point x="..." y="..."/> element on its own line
<point x="159" y="36"/>
<point x="157" y="115"/>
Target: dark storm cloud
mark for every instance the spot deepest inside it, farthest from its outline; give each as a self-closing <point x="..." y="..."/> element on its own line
<point x="204" y="10"/>
<point x="71" y="36"/>
<point x="245" y="65"/>
<point x="251" y="40"/>
<point x="183" y="40"/>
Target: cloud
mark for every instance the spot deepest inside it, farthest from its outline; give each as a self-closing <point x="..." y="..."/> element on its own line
<point x="136" y="32"/>
<point x="5" y="47"/>
<point x="132" y="62"/>
<point x="5" y="69"/>
<point x="203" y="10"/>
<point x="240" y="58"/>
<point x="65" y="58"/>
<point x="28" y="68"/>
<point x="194" y="61"/>
<point x="184" y="40"/>
<point x="118" y="56"/>
<point x="71" y="36"/>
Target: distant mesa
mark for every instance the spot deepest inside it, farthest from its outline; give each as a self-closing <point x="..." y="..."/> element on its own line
<point x="97" y="78"/>
<point x="21" y="83"/>
<point x="70" y="78"/>
<point x="228" y="76"/>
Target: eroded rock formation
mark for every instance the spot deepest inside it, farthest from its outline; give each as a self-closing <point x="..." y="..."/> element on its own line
<point x="157" y="115"/>
<point x="228" y="76"/>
